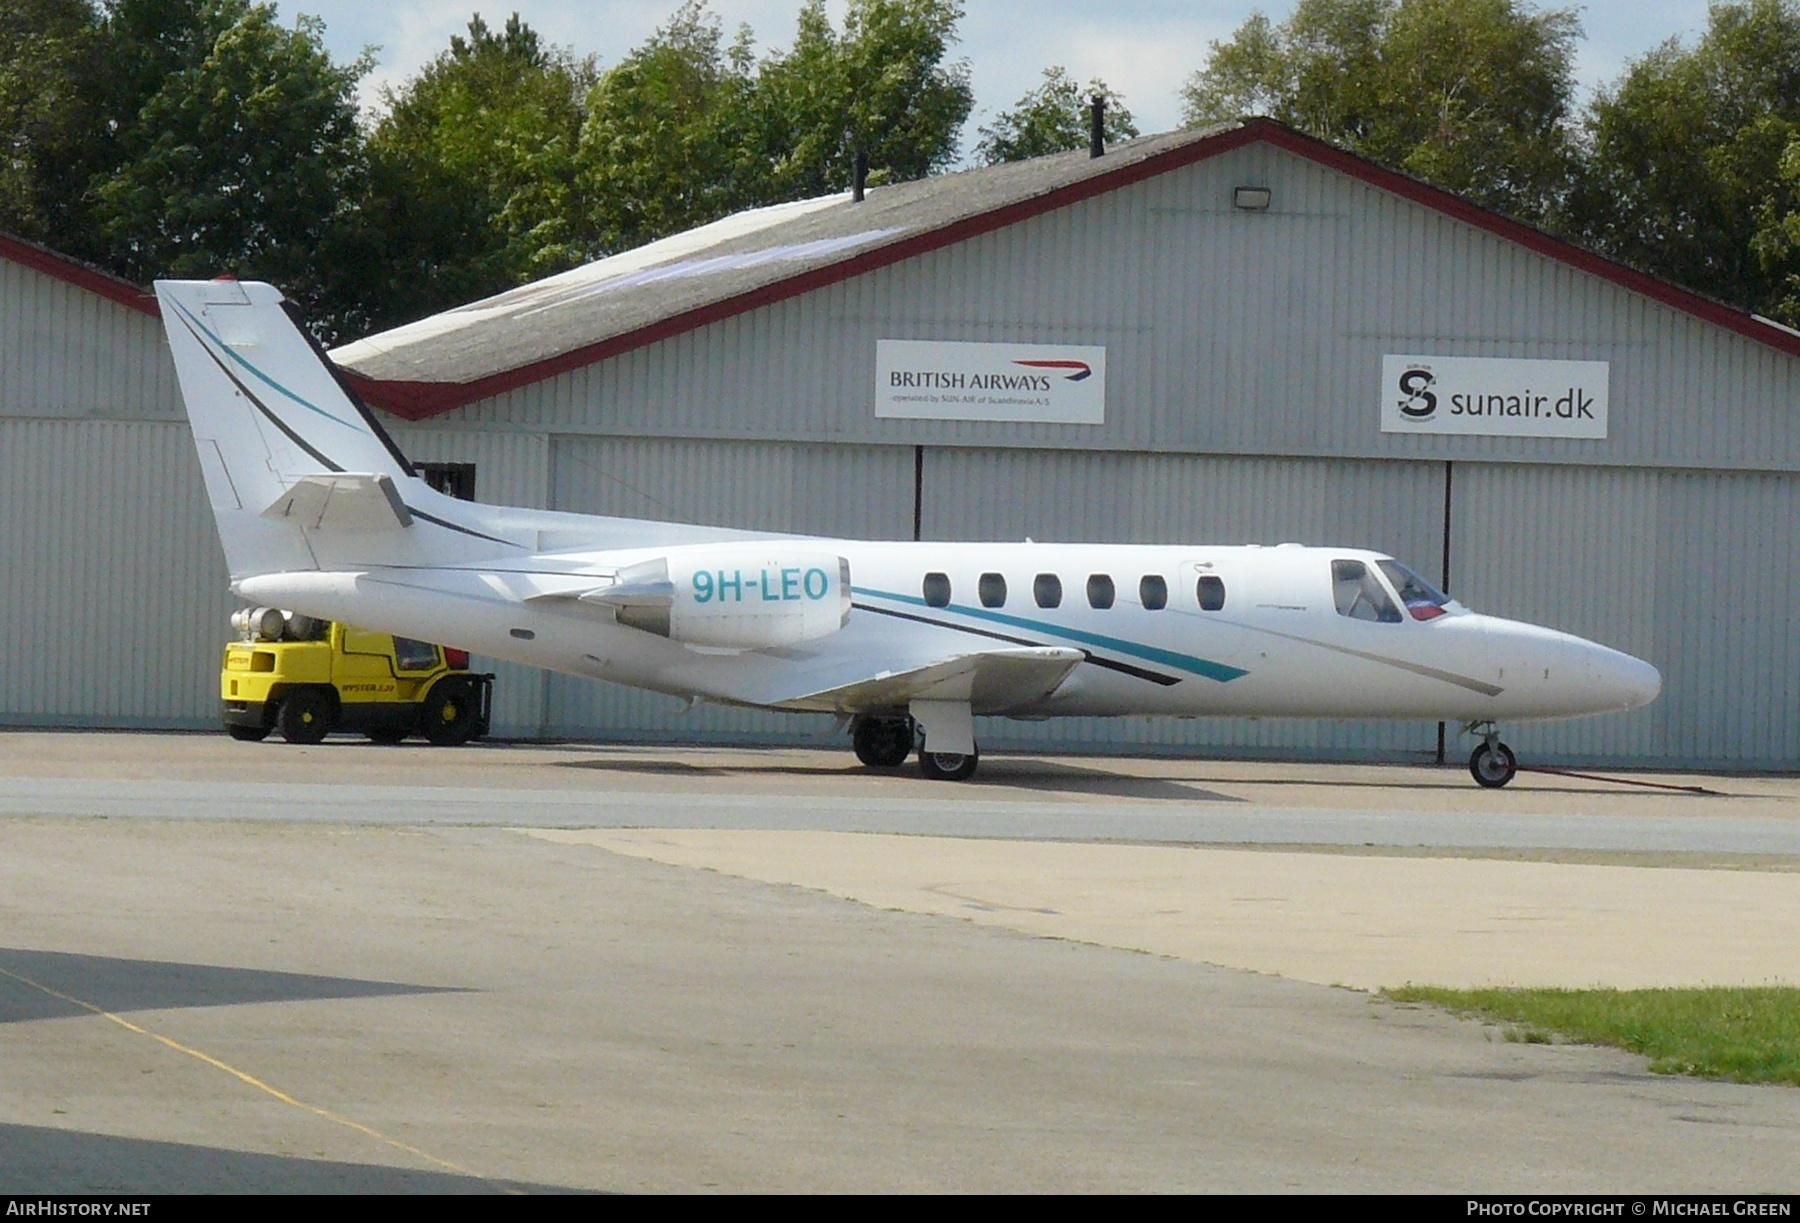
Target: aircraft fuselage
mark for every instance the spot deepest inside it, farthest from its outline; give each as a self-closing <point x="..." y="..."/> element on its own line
<point x="1276" y="644"/>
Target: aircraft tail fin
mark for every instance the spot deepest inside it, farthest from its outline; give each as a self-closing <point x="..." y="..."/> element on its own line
<point x="299" y="473"/>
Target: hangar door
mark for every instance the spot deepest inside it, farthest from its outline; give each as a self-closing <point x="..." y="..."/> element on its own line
<point x="1694" y="571"/>
<point x="861" y="492"/>
<point x="115" y="603"/>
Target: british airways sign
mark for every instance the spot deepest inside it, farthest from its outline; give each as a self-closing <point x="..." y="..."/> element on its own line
<point x="942" y="380"/>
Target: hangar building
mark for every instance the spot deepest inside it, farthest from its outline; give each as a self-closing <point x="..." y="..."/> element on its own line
<point x="1290" y="344"/>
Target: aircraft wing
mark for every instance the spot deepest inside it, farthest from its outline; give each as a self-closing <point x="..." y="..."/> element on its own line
<point x="992" y="681"/>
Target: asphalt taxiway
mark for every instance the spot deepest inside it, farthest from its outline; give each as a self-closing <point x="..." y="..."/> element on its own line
<point x="587" y="968"/>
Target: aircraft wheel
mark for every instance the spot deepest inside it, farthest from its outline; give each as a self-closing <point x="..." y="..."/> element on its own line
<point x="450" y="714"/>
<point x="1493" y="767"/>
<point x="883" y="743"/>
<point x="947" y="766"/>
<point x="248" y="734"/>
<point x="306" y="716"/>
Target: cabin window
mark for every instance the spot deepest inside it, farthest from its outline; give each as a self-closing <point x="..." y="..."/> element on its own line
<point x="937" y="590"/>
<point x="1100" y="591"/>
<point x="1420" y="598"/>
<point x="1360" y="595"/>
<point x="1046" y="588"/>
<point x="1153" y="592"/>
<point x="1210" y="591"/>
<point x="410" y="655"/>
<point x="992" y="589"/>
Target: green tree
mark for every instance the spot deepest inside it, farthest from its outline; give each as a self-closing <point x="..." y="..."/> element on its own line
<point x="1693" y="172"/>
<point x="50" y="131"/>
<point x="1053" y="118"/>
<point x="881" y="86"/>
<point x="472" y="171"/>
<point x="690" y="127"/>
<point x="667" y="142"/>
<point x="1474" y="95"/>
<point x="243" y="156"/>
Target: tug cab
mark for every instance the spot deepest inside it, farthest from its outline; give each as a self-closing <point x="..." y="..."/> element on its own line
<point x="307" y="677"/>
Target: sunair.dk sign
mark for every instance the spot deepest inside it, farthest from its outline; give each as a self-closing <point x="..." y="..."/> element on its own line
<point x="1060" y="384"/>
<point x="1496" y="396"/>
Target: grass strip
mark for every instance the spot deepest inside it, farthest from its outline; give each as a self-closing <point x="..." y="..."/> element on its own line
<point x="1744" y="1035"/>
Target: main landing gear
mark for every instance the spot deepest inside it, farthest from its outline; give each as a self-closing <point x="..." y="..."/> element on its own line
<point x="882" y="743"/>
<point x="886" y="742"/>
<point x="1492" y="763"/>
<point x="948" y="766"/>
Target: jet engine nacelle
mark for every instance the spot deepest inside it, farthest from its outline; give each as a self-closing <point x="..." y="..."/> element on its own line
<point x="735" y="598"/>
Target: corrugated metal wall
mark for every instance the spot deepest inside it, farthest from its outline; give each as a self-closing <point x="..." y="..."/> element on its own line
<point x="114" y="604"/>
<point x="114" y="601"/>
<point x="1226" y="333"/>
<point x="65" y="352"/>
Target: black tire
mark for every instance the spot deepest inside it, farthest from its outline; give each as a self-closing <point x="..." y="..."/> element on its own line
<point x="306" y="716"/>
<point x="248" y="734"/>
<point x="451" y="713"/>
<point x="947" y="766"/>
<point x="387" y="733"/>
<point x="1493" y="769"/>
<point x="883" y="743"/>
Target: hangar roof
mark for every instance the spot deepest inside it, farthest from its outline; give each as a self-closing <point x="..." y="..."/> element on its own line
<point x="765" y="255"/>
<point x="733" y="264"/>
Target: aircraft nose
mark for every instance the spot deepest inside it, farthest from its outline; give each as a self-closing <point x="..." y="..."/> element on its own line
<point x="1626" y="682"/>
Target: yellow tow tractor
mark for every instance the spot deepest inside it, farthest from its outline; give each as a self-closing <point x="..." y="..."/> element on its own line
<point x="307" y="677"/>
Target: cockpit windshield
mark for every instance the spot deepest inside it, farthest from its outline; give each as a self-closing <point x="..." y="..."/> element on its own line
<point x="1423" y="600"/>
<point x="1359" y="593"/>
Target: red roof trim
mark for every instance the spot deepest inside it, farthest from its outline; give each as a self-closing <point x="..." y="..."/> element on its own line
<point x="419" y="400"/>
<point x="80" y="275"/>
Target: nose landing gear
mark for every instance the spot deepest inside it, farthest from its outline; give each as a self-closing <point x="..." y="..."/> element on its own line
<point x="1492" y="763"/>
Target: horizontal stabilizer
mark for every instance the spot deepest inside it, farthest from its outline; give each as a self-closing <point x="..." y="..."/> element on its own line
<point x="992" y="681"/>
<point x="350" y="502"/>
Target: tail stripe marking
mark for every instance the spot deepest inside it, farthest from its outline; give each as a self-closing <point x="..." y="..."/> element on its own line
<point x="193" y="322"/>
<point x="451" y="526"/>
<point x="262" y="407"/>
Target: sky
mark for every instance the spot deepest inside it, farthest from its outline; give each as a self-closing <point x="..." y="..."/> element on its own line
<point x="1144" y="49"/>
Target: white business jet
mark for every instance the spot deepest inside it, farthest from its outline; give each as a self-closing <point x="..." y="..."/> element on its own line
<point x="319" y="512"/>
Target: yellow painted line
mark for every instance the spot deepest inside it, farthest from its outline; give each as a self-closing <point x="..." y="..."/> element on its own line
<point x="252" y="1080"/>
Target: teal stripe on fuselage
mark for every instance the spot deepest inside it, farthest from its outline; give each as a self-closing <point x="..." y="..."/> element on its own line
<point x="226" y="349"/>
<point x="1149" y="653"/>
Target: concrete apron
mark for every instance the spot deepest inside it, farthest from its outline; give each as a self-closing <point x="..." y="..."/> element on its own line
<point x="1360" y="921"/>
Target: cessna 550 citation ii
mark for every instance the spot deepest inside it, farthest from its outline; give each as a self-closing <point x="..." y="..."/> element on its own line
<point x="319" y="512"/>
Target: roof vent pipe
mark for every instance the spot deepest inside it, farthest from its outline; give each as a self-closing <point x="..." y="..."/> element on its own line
<point x="1097" y="127"/>
<point x="859" y="186"/>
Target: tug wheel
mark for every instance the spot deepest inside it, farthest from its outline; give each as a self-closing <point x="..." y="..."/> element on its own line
<point x="306" y="716"/>
<point x="450" y="714"/>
